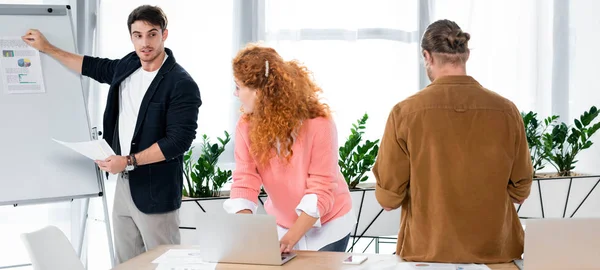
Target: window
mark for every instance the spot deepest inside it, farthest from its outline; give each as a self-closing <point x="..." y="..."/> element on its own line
<point x="364" y="54"/>
<point x="583" y="86"/>
<point x="510" y="52"/>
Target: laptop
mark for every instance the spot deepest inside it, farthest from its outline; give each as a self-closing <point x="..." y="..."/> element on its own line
<point x="239" y="238"/>
<point x="561" y="244"/>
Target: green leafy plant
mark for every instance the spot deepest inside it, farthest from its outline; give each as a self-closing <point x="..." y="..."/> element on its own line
<point x="564" y="143"/>
<point x="204" y="178"/>
<point x="534" y="131"/>
<point x="219" y="179"/>
<point x="355" y="158"/>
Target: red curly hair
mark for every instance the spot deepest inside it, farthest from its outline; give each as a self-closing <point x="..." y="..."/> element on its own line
<point x="286" y="96"/>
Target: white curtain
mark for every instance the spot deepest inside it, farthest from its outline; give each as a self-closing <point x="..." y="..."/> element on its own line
<point x="539" y="54"/>
<point x="364" y="54"/>
<point x="584" y="56"/>
<point x="511" y="46"/>
<point x="583" y="88"/>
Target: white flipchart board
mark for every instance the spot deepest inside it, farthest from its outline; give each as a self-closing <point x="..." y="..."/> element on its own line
<point x="34" y="168"/>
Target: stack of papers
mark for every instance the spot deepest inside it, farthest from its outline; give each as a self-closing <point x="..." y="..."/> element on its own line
<point x="182" y="259"/>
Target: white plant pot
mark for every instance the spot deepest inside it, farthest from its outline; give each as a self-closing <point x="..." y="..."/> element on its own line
<point x="373" y="221"/>
<point x="563" y="197"/>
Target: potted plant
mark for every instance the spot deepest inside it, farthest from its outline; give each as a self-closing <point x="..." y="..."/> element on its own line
<point x="204" y="178"/>
<point x="357" y="158"/>
<point x="203" y="183"/>
<point x="558" y="144"/>
<point x="534" y="131"/>
<point x="564" y="143"/>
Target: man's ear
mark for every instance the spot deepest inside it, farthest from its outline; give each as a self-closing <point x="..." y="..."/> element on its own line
<point x="427" y="57"/>
<point x="165" y="34"/>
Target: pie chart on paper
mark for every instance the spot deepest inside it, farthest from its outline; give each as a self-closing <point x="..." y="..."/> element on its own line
<point x="24" y="62"/>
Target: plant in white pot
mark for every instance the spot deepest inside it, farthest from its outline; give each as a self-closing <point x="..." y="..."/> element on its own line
<point x="203" y="177"/>
<point x="357" y="158"/>
<point x="558" y="144"/>
<point x="564" y="143"/>
<point x="535" y="131"/>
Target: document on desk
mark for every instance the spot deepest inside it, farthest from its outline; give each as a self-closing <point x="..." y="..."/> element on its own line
<point x="441" y="266"/>
<point x="183" y="259"/>
<point x="168" y="266"/>
<point x="95" y="150"/>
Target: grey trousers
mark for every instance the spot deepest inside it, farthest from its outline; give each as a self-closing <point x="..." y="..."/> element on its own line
<point x="136" y="232"/>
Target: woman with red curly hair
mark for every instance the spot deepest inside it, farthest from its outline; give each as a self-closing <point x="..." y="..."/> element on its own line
<point x="286" y="141"/>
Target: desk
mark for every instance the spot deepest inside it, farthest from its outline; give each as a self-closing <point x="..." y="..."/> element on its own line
<point x="304" y="260"/>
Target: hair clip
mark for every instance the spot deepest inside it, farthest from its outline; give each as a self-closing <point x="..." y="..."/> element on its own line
<point x="266" y="68"/>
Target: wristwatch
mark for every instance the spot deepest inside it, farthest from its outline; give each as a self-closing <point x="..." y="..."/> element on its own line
<point x="130" y="163"/>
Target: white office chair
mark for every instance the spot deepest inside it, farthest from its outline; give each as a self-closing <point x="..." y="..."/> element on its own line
<point x="50" y="249"/>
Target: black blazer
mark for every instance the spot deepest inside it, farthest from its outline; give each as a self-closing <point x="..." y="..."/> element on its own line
<point x="168" y="116"/>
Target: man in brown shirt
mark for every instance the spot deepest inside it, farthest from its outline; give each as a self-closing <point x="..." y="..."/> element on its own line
<point x="455" y="157"/>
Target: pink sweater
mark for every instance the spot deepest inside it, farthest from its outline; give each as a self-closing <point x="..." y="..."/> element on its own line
<point x="313" y="169"/>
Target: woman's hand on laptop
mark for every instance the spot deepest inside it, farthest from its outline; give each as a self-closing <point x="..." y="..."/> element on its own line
<point x="297" y="231"/>
<point x="245" y="211"/>
<point x="287" y="242"/>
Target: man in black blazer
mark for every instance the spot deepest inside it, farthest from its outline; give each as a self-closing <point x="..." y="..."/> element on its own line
<point x="150" y="120"/>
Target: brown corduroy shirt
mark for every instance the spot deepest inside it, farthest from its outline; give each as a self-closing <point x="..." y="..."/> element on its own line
<point x="452" y="156"/>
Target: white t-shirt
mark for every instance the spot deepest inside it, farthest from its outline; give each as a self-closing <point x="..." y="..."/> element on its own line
<point x="133" y="89"/>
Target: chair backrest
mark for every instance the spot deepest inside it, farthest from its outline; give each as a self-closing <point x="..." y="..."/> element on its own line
<point x="49" y="248"/>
